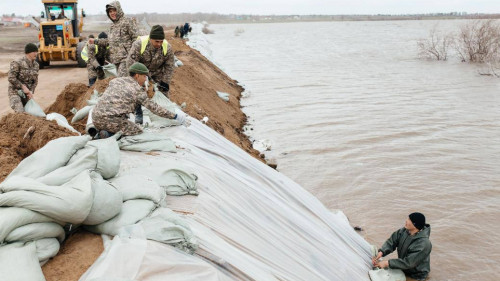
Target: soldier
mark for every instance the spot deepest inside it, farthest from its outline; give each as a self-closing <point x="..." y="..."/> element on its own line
<point x="176" y="31"/>
<point x="156" y="54"/>
<point x="96" y="55"/>
<point x="122" y="33"/>
<point x="123" y="94"/>
<point x="23" y="78"/>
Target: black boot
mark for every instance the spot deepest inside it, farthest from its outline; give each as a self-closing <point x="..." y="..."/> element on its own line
<point x="92" y="81"/>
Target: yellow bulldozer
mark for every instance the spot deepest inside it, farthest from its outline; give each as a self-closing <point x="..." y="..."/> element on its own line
<point x="59" y="36"/>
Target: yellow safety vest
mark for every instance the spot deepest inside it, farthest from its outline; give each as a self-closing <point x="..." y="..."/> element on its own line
<point x="144" y="43"/>
<point x="85" y="52"/>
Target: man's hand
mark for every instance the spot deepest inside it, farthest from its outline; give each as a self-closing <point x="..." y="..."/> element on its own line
<point x="376" y="258"/>
<point x="29" y="94"/>
<point x="382" y="264"/>
<point x="25" y="89"/>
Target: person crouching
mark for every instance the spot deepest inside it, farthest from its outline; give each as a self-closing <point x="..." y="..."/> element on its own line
<point x="123" y="94"/>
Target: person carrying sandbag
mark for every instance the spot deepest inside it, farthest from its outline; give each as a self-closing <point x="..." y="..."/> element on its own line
<point x="123" y="94"/>
<point x="23" y="78"/>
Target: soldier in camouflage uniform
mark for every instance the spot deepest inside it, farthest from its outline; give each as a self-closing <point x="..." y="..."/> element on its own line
<point x="157" y="55"/>
<point x="97" y="55"/>
<point x="122" y="33"/>
<point x="23" y="76"/>
<point x="123" y="94"/>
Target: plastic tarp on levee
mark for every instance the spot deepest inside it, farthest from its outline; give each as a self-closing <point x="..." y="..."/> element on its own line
<point x="202" y="209"/>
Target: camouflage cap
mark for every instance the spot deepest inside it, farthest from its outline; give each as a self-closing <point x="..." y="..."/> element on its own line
<point x="138" y="68"/>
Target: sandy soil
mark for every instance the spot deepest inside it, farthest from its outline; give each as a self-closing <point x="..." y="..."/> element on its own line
<point x="62" y="86"/>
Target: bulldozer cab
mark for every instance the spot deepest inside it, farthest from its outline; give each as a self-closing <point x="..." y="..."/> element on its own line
<point x="63" y="10"/>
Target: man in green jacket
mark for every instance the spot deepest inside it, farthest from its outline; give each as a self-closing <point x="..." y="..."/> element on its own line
<point x="414" y="248"/>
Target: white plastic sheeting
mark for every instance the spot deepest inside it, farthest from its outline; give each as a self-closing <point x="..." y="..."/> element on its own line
<point x="249" y="222"/>
<point x="252" y="222"/>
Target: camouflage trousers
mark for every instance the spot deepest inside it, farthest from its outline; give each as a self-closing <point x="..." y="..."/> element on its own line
<point x="16" y="102"/>
<point x="115" y="124"/>
<point x="94" y="72"/>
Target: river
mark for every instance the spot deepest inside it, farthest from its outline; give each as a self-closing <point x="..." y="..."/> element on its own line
<point x="355" y="117"/>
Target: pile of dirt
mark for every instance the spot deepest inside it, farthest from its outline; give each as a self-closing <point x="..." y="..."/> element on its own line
<point x="3" y="74"/>
<point x="22" y="134"/>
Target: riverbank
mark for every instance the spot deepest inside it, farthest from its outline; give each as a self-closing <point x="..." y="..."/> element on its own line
<point x="195" y="83"/>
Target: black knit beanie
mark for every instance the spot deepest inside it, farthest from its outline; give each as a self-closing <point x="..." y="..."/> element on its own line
<point x="418" y="220"/>
<point x="30" y="48"/>
<point x="102" y="35"/>
<point x="157" y="33"/>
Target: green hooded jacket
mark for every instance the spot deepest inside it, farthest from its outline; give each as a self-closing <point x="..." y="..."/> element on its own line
<point x="413" y="252"/>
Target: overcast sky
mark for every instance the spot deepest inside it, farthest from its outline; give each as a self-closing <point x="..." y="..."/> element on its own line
<point x="265" y="7"/>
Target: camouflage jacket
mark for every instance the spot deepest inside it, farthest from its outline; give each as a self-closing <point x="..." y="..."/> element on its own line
<point x="122" y="33"/>
<point x="122" y="96"/>
<point x="161" y="67"/>
<point x="23" y="71"/>
<point x="99" y="57"/>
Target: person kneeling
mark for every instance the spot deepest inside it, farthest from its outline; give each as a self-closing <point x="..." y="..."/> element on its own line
<point x="123" y="94"/>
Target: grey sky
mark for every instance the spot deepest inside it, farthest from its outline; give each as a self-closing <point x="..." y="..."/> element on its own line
<point x="278" y="7"/>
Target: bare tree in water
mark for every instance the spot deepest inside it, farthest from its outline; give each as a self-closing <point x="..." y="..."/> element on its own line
<point x="435" y="46"/>
<point x="479" y="41"/>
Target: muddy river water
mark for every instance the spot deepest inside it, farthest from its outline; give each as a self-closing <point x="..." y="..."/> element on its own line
<point x="355" y="117"/>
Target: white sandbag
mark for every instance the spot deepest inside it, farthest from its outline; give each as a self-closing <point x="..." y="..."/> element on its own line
<point x="61" y="121"/>
<point x="107" y="201"/>
<point x="146" y="142"/>
<point x="12" y="218"/>
<point x="34" y="109"/>
<point x="167" y="227"/>
<point x="134" y="186"/>
<point x="108" y="157"/>
<point x="83" y="160"/>
<point x="46" y="248"/>
<point x="82" y="113"/>
<point x="19" y="262"/>
<point x="89" y="127"/>
<point x="177" y="62"/>
<point x="69" y="203"/>
<point x="224" y="96"/>
<point x="52" y="156"/>
<point x="109" y="70"/>
<point x="388" y="274"/>
<point x="132" y="212"/>
<point x="36" y="231"/>
<point x="160" y="99"/>
<point x="173" y="177"/>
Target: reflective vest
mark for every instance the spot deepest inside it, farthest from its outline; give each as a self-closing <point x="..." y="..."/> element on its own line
<point x="144" y="43"/>
<point x="85" y="52"/>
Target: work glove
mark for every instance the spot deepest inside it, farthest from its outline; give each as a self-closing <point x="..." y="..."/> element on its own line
<point x="99" y="67"/>
<point x="163" y="87"/>
<point x="181" y="117"/>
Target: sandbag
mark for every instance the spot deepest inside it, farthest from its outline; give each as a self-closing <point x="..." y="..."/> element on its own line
<point x="132" y="212"/>
<point x="146" y="142"/>
<point x="69" y="203"/>
<point x="160" y="99"/>
<point x="134" y="186"/>
<point x="61" y="121"/>
<point x="224" y="96"/>
<point x="108" y="157"/>
<point x="388" y="274"/>
<point x="82" y="113"/>
<point x="107" y="201"/>
<point x="34" y="109"/>
<point x="173" y="177"/>
<point x="46" y="248"/>
<point x="12" y="218"/>
<point x="36" y="231"/>
<point x="19" y="262"/>
<point x="52" y="156"/>
<point x="109" y="70"/>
